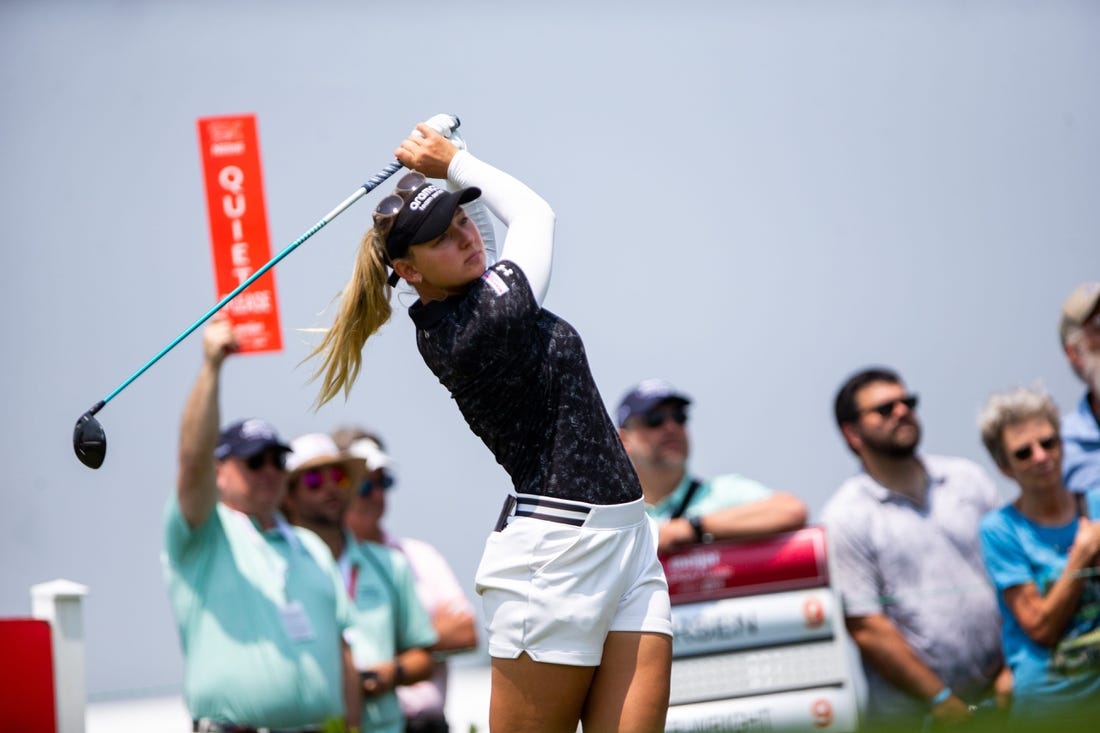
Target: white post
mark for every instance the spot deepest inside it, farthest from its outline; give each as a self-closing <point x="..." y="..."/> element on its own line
<point x="59" y="603"/>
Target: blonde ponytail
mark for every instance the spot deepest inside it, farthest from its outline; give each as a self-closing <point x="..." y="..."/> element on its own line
<point x="364" y="308"/>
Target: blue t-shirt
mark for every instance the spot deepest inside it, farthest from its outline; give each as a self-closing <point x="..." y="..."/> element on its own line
<point x="1018" y="551"/>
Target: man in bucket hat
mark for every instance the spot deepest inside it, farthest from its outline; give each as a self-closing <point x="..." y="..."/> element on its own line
<point x="451" y="613"/>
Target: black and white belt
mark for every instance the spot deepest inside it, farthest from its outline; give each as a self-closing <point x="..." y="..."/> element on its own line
<point x="549" y="510"/>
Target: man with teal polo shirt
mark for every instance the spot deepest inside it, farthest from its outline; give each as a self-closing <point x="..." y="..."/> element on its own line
<point x="258" y="603"/>
<point x="652" y="420"/>
<point x="391" y="631"/>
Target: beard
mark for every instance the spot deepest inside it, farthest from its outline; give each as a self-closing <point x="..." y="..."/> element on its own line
<point x="892" y="446"/>
<point x="1091" y="370"/>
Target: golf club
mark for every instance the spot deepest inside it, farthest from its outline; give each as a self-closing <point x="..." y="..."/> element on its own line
<point x="89" y="439"/>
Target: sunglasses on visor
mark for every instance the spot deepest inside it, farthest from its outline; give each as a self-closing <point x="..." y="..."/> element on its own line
<point x="388" y="208"/>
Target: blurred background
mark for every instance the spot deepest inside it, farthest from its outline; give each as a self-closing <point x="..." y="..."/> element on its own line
<point x="754" y="199"/>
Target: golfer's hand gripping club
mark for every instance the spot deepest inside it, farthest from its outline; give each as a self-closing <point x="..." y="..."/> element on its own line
<point x="89" y="438"/>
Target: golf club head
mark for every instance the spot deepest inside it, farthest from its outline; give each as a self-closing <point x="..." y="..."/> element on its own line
<point x="89" y="441"/>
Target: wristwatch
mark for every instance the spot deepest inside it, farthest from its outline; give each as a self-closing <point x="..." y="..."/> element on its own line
<point x="398" y="673"/>
<point x="701" y="535"/>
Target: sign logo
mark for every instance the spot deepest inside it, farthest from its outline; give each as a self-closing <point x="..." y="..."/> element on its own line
<point x="813" y="610"/>
<point x="822" y="713"/>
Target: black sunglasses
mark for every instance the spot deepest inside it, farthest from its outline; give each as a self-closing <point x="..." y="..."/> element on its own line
<point x="657" y="417"/>
<point x="886" y="409"/>
<point x="386" y="482"/>
<point x="1047" y="444"/>
<point x="273" y="456"/>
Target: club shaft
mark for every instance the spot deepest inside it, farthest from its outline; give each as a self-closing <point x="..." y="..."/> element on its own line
<point x="363" y="190"/>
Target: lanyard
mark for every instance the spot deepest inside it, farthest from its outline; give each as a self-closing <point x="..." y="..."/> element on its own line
<point x="349" y="569"/>
<point x="352" y="580"/>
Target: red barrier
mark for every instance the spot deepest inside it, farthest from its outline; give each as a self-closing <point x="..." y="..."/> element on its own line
<point x="26" y="677"/>
<point x="788" y="561"/>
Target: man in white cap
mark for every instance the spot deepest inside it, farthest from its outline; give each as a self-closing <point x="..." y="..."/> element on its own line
<point x="1079" y="330"/>
<point x="436" y="586"/>
<point x="391" y="631"/>
<point x="652" y="419"/>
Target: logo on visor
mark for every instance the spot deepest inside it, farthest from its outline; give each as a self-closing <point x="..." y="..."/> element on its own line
<point x="425" y="198"/>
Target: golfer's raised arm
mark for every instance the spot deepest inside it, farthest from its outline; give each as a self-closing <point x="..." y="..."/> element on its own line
<point x="530" y="239"/>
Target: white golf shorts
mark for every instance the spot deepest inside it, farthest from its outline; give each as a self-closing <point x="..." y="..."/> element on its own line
<point x="555" y="590"/>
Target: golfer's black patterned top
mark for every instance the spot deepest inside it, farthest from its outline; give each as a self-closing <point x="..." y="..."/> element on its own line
<point x="521" y="379"/>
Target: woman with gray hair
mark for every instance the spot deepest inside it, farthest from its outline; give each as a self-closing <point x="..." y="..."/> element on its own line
<point x="1041" y="552"/>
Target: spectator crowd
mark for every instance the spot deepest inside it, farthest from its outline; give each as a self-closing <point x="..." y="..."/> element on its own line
<point x="298" y="611"/>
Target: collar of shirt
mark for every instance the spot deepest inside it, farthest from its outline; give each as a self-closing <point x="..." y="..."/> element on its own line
<point x="427" y="315"/>
<point x="1081" y="424"/>
<point x="281" y="529"/>
<point x="884" y="494"/>
<point x="676" y="495"/>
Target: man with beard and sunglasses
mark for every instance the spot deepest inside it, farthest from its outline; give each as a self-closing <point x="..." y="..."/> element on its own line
<point x="438" y="590"/>
<point x="1079" y="330"/>
<point x="391" y="631"/>
<point x="904" y="539"/>
<point x="652" y="420"/>
<point x="259" y="603"/>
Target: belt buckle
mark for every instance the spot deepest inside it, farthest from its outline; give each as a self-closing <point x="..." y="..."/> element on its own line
<point x="505" y="513"/>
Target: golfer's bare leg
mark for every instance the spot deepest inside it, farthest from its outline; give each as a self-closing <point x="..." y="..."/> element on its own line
<point x="533" y="697"/>
<point x="629" y="693"/>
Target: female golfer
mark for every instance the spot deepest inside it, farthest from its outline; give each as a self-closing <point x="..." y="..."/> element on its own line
<point x="576" y="605"/>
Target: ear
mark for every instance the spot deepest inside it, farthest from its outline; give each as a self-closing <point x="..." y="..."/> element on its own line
<point x="851" y="436"/>
<point x="407" y="271"/>
<point x="624" y="436"/>
<point x="1073" y="353"/>
<point x="1005" y="471"/>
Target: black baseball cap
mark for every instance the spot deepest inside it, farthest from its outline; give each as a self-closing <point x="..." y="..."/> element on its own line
<point x="425" y="216"/>
<point x="646" y="395"/>
<point x="246" y="438"/>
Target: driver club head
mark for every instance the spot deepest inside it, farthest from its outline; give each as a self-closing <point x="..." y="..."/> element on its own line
<point x="89" y="441"/>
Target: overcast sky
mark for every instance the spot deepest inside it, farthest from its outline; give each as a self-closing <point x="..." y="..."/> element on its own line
<point x="754" y="199"/>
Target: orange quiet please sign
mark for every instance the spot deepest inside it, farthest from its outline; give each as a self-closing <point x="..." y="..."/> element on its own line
<point x="238" y="228"/>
